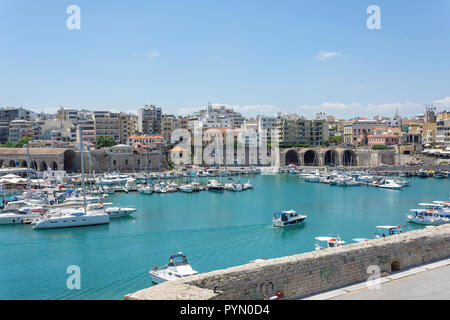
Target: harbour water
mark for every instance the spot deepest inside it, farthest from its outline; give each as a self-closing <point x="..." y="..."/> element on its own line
<point x="214" y="230"/>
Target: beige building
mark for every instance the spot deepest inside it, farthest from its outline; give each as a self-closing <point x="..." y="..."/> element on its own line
<point x="170" y="123"/>
<point x="19" y="129"/>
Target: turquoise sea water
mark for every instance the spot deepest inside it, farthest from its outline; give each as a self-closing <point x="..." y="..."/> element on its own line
<point x="214" y="230"/>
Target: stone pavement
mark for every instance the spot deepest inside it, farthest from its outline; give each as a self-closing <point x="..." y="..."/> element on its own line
<point x="426" y="282"/>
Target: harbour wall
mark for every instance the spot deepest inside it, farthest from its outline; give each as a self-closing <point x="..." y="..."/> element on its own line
<point x="301" y="275"/>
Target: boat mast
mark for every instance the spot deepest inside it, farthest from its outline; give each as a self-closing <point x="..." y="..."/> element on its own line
<point x="82" y="170"/>
<point x="28" y="173"/>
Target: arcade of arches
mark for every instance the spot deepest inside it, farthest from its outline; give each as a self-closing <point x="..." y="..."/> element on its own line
<point x="328" y="157"/>
<point x="42" y="159"/>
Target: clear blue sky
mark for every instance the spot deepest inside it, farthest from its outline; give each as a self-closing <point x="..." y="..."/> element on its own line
<point x="260" y="56"/>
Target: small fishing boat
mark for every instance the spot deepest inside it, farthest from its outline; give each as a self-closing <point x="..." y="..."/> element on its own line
<point x="177" y="268"/>
<point x="287" y="218"/>
<point x="384" y="231"/>
<point x="359" y="240"/>
<point x="429" y="217"/>
<point x="328" y="242"/>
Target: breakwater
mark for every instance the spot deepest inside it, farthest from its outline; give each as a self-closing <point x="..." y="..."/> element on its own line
<point x="309" y="273"/>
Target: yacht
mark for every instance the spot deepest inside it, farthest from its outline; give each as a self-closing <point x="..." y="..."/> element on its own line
<point x="177" y="268"/>
<point x="214" y="185"/>
<point x="247" y="185"/>
<point x="328" y="242"/>
<point x="71" y="218"/>
<point x="131" y="185"/>
<point x="233" y="187"/>
<point x="287" y="218"/>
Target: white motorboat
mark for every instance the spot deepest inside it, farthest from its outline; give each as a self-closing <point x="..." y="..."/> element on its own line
<point x="389" y="184"/>
<point x="131" y="185"/>
<point x="287" y="218"/>
<point x="21" y="217"/>
<point x="177" y="268"/>
<point x="186" y="188"/>
<point x="113" y="212"/>
<point x="329" y="242"/>
<point x="146" y="189"/>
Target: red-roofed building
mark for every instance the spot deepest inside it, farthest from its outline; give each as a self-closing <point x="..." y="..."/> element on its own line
<point x="145" y="142"/>
<point x="382" y="139"/>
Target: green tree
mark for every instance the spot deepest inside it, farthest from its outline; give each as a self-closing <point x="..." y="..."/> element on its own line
<point x="18" y="144"/>
<point x="105" y="142"/>
<point x="380" y="147"/>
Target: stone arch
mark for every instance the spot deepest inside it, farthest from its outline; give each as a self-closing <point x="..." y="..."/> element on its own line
<point x="292" y="157"/>
<point x="349" y="158"/>
<point x="310" y="158"/>
<point x="395" y="265"/>
<point x="331" y="157"/>
<point x="43" y="166"/>
<point x="54" y="166"/>
<point x="23" y="164"/>
<point x="34" y="165"/>
<point x="69" y="160"/>
<point x="11" y="163"/>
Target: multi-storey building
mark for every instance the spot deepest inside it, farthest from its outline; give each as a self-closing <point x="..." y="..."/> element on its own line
<point x="12" y="113"/>
<point x="170" y="123"/>
<point x="67" y="115"/>
<point x="149" y="120"/>
<point x="216" y="117"/>
<point x="294" y="130"/>
<point x="358" y="130"/>
<point x="19" y="129"/>
<point x="443" y="132"/>
<point x="266" y="128"/>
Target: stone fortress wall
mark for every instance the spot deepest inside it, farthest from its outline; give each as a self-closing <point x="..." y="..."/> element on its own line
<point x="309" y="273"/>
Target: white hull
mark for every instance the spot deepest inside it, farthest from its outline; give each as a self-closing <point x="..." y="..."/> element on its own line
<point x="428" y="222"/>
<point x="119" y="212"/>
<point x="13" y="218"/>
<point x="72" y="221"/>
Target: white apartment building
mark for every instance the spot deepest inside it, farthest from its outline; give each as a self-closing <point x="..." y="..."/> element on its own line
<point x="443" y="132"/>
<point x="219" y="117"/>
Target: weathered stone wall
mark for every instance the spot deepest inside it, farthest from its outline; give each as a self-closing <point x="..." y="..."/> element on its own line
<point x="301" y="275"/>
